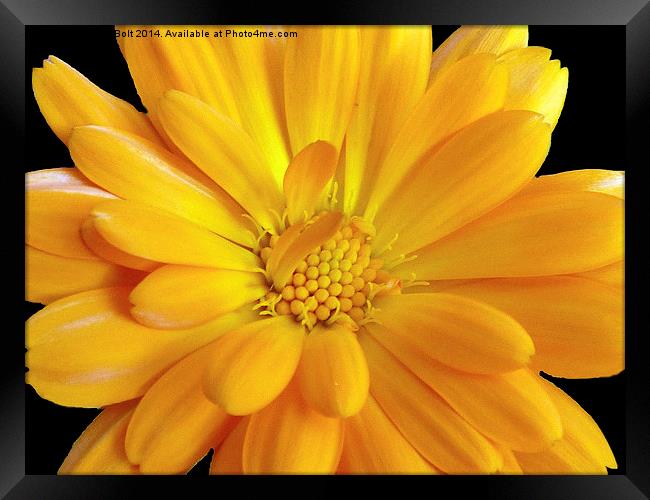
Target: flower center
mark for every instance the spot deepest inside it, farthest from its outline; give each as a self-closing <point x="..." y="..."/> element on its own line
<point x="335" y="281"/>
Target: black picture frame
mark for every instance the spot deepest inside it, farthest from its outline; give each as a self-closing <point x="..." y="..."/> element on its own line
<point x="634" y="15"/>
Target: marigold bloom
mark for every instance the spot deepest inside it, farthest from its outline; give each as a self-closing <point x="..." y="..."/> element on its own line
<point x="326" y="253"/>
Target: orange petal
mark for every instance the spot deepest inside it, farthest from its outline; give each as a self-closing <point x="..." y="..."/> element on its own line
<point x="98" y="244"/>
<point x="610" y="182"/>
<point x="68" y="99"/>
<point x="253" y="364"/>
<point x="174" y="425"/>
<point x="510" y="408"/>
<point x="450" y="104"/>
<point x="333" y="374"/>
<point x="223" y="151"/>
<point x="373" y="445"/>
<point x="464" y="334"/>
<point x="321" y="73"/>
<point x="306" y="178"/>
<point x="468" y="40"/>
<point x="100" y="448"/>
<point x="393" y="75"/>
<point x="154" y="234"/>
<point x="50" y="277"/>
<point x="576" y="323"/>
<point x="227" y="458"/>
<point x="288" y="437"/>
<point x="155" y="177"/>
<point x="87" y="351"/>
<point x="310" y="237"/>
<point x="436" y="431"/>
<point x="183" y="296"/>
<point x="550" y="233"/>
<point x="57" y="202"/>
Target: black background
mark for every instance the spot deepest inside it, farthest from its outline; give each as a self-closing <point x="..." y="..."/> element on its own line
<point x="590" y="134"/>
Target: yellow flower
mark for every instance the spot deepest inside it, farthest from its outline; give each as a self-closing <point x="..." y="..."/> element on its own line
<point x="323" y="253"/>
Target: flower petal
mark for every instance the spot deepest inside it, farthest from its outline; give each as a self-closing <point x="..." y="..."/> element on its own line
<point x="576" y="323"/>
<point x="394" y="71"/>
<point x="610" y="182"/>
<point x="307" y="177"/>
<point x="500" y="154"/>
<point x="239" y="77"/>
<point x="57" y="202"/>
<point x="310" y="237"/>
<point x="373" y="445"/>
<point x="174" y="425"/>
<point x="86" y="351"/>
<point x="157" y="235"/>
<point x="98" y="244"/>
<point x="535" y="82"/>
<point x="468" y="40"/>
<point x="49" y="277"/>
<point x="321" y="73"/>
<point x="509" y="408"/>
<point x="68" y="99"/>
<point x="155" y="177"/>
<point x="183" y="296"/>
<point x="221" y="149"/>
<point x="100" y="448"/>
<point x="550" y="233"/>
<point x="253" y="364"/>
<point x="612" y="275"/>
<point x="289" y="437"/>
<point x="453" y="102"/>
<point x="333" y="373"/>
<point x="464" y="334"/>
<point x="227" y="458"/>
<point x="437" y="432"/>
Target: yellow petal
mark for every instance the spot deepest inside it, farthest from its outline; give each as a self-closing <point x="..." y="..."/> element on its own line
<point x="393" y="75"/>
<point x="227" y="458"/>
<point x="462" y="333"/>
<point x="157" y="235"/>
<point x="68" y="99"/>
<point x="535" y="83"/>
<point x="98" y="244"/>
<point x="87" y="351"/>
<point x="437" y="432"/>
<point x="221" y="149"/>
<point x="306" y="178"/>
<point x="57" y="202"/>
<point x="575" y="323"/>
<point x="288" y="437"/>
<point x="333" y="373"/>
<point x="174" y="425"/>
<point x="138" y="170"/>
<point x="509" y="408"/>
<point x="183" y="296"/>
<point x="476" y="170"/>
<point x="561" y="458"/>
<point x="550" y="233"/>
<point x="468" y="40"/>
<point x="610" y="182"/>
<point x="49" y="277"/>
<point x="373" y="445"/>
<point x="312" y="236"/>
<point x="239" y="77"/>
<point x="253" y="364"/>
<point x="321" y="72"/>
<point x="467" y="91"/>
<point x="580" y="430"/>
<point x="100" y="448"/>
<point x="612" y="275"/>
<point x="510" y="465"/>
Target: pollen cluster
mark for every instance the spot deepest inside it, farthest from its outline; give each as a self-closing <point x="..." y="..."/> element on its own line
<point x="335" y="281"/>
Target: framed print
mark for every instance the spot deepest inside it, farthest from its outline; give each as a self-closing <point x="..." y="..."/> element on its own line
<point x="346" y="249"/>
